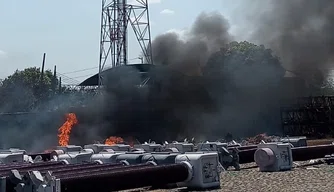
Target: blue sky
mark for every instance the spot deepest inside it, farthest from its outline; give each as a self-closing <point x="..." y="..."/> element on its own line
<point x="69" y="30"/>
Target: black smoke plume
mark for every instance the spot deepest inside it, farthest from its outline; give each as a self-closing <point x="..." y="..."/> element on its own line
<point x="301" y="32"/>
<point x="207" y="35"/>
<point x="176" y="105"/>
<point x="173" y="105"/>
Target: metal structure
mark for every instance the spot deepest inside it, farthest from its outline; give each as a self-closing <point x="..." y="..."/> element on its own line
<point x="106" y="169"/>
<point x="116" y="15"/>
<point x="310" y="116"/>
<point x="298" y="153"/>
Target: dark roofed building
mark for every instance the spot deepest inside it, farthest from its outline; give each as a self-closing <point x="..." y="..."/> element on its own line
<point x="140" y="69"/>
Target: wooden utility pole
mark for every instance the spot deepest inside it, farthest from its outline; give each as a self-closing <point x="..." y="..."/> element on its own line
<point x="59" y="88"/>
<point x="54" y="80"/>
<point x="42" y="70"/>
<point x="41" y="79"/>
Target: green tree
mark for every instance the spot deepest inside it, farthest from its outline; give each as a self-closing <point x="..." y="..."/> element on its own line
<point x="245" y="70"/>
<point x="24" y="89"/>
<point x="246" y="65"/>
<point x="244" y="79"/>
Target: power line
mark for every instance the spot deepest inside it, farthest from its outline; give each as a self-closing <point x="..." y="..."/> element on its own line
<point x="73" y="80"/>
<point x="66" y="78"/>
<point x="86" y="69"/>
<point x="91" y="68"/>
<point x="83" y="76"/>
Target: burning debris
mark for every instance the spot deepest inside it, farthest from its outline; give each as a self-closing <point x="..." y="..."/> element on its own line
<point x="65" y="129"/>
<point x="114" y="140"/>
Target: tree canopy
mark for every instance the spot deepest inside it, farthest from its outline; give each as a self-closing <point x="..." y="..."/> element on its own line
<point x="244" y="80"/>
<point x="22" y="90"/>
<point x="246" y="65"/>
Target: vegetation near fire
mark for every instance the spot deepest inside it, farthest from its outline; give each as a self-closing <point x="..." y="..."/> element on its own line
<point x="239" y="92"/>
<point x="24" y="89"/>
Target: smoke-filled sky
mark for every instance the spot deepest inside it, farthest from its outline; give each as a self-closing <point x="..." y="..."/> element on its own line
<point x="69" y="31"/>
<point x="71" y="38"/>
<point x="300" y="31"/>
<point x="184" y="32"/>
<point x="207" y="35"/>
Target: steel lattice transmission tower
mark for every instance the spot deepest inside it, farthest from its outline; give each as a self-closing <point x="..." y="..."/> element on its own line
<point x="116" y="15"/>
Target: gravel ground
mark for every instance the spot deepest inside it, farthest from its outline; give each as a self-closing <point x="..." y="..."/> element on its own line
<point x="300" y="179"/>
<point x="313" y="179"/>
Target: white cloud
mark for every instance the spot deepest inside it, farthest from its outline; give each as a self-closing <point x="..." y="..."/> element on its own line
<point x="167" y="12"/>
<point x="3" y="54"/>
<point x="139" y="2"/>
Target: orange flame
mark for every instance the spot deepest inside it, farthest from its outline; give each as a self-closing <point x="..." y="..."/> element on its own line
<point x="65" y="129"/>
<point x="114" y="140"/>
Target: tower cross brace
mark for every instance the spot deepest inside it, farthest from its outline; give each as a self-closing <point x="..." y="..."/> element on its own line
<point x="115" y="17"/>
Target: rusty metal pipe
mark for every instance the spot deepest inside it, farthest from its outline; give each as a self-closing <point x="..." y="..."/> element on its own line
<point x="66" y="171"/>
<point x="298" y="153"/>
<point x="101" y="171"/>
<point x="30" y="166"/>
<point x="246" y="156"/>
<point x="25" y="164"/>
<point x="246" y="147"/>
<point x="123" y="179"/>
<point x="66" y="167"/>
<point x="59" y="167"/>
<point x="89" y="170"/>
<point x="311" y="152"/>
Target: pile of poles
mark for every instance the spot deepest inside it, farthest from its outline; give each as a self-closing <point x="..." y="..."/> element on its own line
<point x="97" y="177"/>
